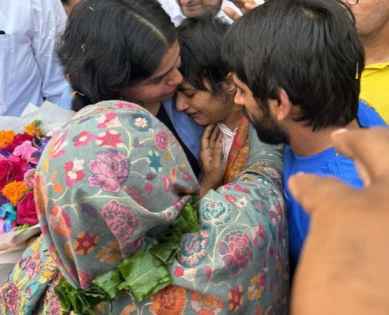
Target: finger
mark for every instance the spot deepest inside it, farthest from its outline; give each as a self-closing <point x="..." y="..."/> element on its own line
<point x="311" y="191"/>
<point x="369" y="148"/>
<point x="218" y="150"/>
<point x="206" y="135"/>
<point x="184" y="190"/>
<point x="231" y="13"/>
<point x="214" y="136"/>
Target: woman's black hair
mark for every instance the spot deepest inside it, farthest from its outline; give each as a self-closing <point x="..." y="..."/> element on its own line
<point x="109" y="45"/>
<point x="201" y="52"/>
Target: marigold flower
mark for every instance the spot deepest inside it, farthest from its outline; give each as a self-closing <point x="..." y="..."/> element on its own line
<point x="33" y="129"/>
<point x="15" y="191"/>
<point x="6" y="138"/>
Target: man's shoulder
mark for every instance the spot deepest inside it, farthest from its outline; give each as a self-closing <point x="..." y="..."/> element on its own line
<point x="368" y="117"/>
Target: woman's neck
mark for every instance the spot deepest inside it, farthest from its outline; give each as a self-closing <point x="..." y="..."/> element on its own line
<point x="232" y="120"/>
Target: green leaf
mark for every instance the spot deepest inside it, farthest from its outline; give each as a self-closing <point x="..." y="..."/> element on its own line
<point x="144" y="275"/>
<point x="109" y="282"/>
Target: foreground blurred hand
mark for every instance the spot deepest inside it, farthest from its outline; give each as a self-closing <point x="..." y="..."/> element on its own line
<point x="244" y="5"/>
<point x="344" y="267"/>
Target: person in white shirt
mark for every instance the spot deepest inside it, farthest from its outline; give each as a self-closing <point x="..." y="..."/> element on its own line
<point x="178" y="10"/>
<point x="29" y="69"/>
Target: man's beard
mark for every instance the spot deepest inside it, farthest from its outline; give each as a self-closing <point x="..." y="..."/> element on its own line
<point x="268" y="131"/>
<point x="274" y="135"/>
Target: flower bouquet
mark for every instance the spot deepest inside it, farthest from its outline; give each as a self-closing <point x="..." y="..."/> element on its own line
<point x="19" y="155"/>
<point x="22" y="140"/>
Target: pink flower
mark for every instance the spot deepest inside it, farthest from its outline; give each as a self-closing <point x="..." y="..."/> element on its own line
<point x="18" y="140"/>
<point x="29" y="178"/>
<point x="179" y="272"/>
<point x="149" y="187"/>
<point x="208" y="272"/>
<point x="240" y="188"/>
<point x="109" y="139"/>
<point x="236" y="251"/>
<point x="74" y="172"/>
<point x="26" y="151"/>
<point x="109" y="120"/>
<point x="161" y="140"/>
<point x="186" y="176"/>
<point x="259" y="236"/>
<point x="110" y="171"/>
<point x="83" y="138"/>
<point x="230" y="198"/>
<point x="126" y="105"/>
<point x="26" y="212"/>
<point x="122" y="222"/>
<point x="9" y="293"/>
<point x="166" y="183"/>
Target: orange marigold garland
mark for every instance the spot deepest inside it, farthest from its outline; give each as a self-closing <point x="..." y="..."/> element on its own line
<point x="6" y="138"/>
<point x="15" y="191"/>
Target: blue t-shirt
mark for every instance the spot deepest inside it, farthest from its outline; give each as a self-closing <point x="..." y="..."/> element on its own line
<point x="326" y="163"/>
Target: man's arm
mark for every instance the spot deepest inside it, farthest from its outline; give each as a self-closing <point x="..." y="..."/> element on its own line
<point x="49" y="21"/>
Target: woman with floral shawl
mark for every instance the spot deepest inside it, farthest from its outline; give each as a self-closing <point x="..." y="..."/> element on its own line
<point x="105" y="189"/>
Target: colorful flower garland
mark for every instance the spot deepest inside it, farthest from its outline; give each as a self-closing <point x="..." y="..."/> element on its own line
<point x="19" y="155"/>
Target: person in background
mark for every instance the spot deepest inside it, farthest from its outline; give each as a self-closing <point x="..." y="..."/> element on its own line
<point x="30" y="71"/>
<point x="298" y="94"/>
<point x="344" y="264"/>
<point x="372" y="19"/>
<point x="69" y="5"/>
<point x="139" y="66"/>
<point x="178" y="10"/>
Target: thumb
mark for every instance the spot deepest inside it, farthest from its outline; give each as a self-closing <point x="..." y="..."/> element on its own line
<point x="315" y="193"/>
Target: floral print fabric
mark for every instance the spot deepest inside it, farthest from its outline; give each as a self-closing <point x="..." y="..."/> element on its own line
<point x="105" y="186"/>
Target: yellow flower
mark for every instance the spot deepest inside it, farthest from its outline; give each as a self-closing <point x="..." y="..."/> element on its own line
<point x="15" y="191"/>
<point x="256" y="288"/>
<point x="34" y="129"/>
<point x="6" y="138"/>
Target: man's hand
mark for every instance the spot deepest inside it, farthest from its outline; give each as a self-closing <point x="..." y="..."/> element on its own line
<point x="344" y="268"/>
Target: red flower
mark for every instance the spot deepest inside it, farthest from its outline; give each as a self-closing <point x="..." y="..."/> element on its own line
<point x="26" y="212"/>
<point x="74" y="172"/>
<point x="110" y="138"/>
<point x="179" y="272"/>
<point x="12" y="169"/>
<point x="83" y="138"/>
<point x="236" y="251"/>
<point x="85" y="243"/>
<point x="161" y="140"/>
<point x="18" y="140"/>
<point x="235" y="298"/>
<point x="230" y="198"/>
